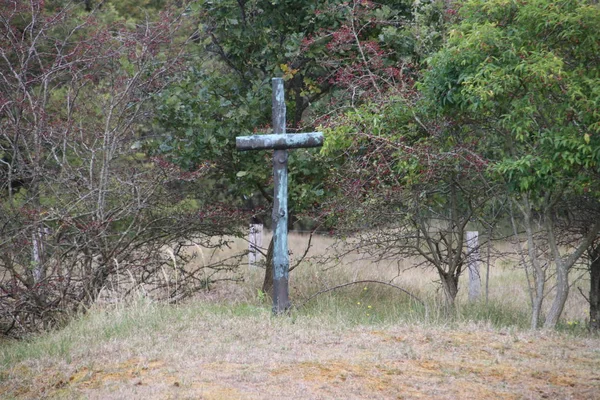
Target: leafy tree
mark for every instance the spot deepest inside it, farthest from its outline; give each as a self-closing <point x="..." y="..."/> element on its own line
<point x="408" y="188"/>
<point x="82" y="208"/>
<point x="241" y="46"/>
<point x="527" y="75"/>
<point x="410" y="182"/>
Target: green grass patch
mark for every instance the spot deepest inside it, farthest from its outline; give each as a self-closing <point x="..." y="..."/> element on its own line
<point x="496" y="314"/>
<point x="363" y="304"/>
<point x="140" y="320"/>
<point x="366" y="305"/>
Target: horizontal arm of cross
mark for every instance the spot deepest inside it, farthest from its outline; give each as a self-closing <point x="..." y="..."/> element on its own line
<point x="280" y="141"/>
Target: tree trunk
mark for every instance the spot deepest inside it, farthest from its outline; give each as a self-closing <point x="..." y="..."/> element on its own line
<point x="267" y="286"/>
<point x="539" y="273"/>
<point x="563" y="266"/>
<point x="595" y="290"/>
<point x="562" y="292"/>
<point x="450" y="286"/>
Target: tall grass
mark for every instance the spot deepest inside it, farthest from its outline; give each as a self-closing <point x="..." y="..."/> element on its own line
<point x="328" y="264"/>
<point x="508" y="297"/>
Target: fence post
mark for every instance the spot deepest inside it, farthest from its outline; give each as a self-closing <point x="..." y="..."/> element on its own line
<point x="473" y="265"/>
<point x="255" y="242"/>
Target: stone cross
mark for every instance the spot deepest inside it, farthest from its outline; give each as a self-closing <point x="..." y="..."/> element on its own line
<point x="280" y="142"/>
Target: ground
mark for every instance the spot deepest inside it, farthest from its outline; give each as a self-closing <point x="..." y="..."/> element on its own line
<point x="221" y="355"/>
<point x="357" y="343"/>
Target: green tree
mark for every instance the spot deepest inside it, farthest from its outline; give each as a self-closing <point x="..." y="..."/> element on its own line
<point x="410" y="186"/>
<point x="241" y="45"/>
<point x="410" y="182"/>
<point x="526" y="76"/>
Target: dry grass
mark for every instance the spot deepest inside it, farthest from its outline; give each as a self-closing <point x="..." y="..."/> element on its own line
<point x="507" y="281"/>
<point x="356" y="343"/>
<point x="204" y="351"/>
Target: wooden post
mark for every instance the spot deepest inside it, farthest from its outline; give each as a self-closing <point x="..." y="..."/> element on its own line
<point x="281" y="266"/>
<point x="473" y="265"/>
<point x="280" y="142"/>
<point x="254" y="243"/>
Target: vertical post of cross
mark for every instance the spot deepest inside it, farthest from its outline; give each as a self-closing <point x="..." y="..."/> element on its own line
<point x="281" y="298"/>
<point x="280" y="142"/>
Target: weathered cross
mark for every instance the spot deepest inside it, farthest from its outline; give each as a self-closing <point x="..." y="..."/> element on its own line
<point x="280" y="142"/>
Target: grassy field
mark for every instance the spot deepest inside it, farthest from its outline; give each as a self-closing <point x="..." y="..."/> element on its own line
<point x="363" y="341"/>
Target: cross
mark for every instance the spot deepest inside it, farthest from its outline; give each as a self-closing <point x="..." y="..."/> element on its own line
<point x="280" y="142"/>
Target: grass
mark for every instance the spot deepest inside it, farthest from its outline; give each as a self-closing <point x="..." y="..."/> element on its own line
<point x="508" y="290"/>
<point x="214" y="350"/>
<point x="361" y="341"/>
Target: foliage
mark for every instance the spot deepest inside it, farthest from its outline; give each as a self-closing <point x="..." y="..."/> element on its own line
<point x="409" y="189"/>
<point x="82" y="207"/>
<point x="531" y="68"/>
<point x="242" y="45"/>
<point x="526" y="74"/>
<point x="408" y="183"/>
<point x="118" y="123"/>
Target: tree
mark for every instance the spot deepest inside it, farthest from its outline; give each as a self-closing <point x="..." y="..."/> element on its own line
<point x="408" y="189"/>
<point x="408" y="184"/>
<point x="594" y="294"/>
<point x="527" y="75"/>
<point x="82" y="208"/>
<point x="241" y="46"/>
